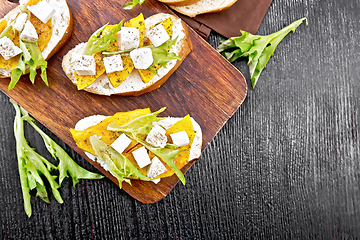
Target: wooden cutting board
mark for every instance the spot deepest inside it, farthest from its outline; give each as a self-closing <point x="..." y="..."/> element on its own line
<point x="205" y="86"/>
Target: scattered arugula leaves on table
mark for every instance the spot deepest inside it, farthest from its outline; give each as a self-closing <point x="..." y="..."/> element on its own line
<point x="31" y="164"/>
<point x="257" y="48"/>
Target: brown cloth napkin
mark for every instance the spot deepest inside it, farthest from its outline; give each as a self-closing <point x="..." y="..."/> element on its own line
<point x="244" y="14"/>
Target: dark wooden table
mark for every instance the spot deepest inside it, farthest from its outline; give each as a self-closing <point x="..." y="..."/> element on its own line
<point x="285" y="166"/>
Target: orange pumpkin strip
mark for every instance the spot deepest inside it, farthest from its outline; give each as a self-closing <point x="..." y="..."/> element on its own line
<point x="182" y="158"/>
<point x="118" y="77"/>
<point x="82" y="137"/>
<point x="84" y="81"/>
<point x="146" y="75"/>
<point x="139" y="23"/>
<point x="43" y="30"/>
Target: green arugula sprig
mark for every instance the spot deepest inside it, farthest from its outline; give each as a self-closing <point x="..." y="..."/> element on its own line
<point x="7" y="31"/>
<point x="119" y="165"/>
<point x="257" y="48"/>
<point x="162" y="54"/>
<point x="31" y="164"/>
<point x="130" y="5"/>
<point x="100" y="40"/>
<point x="31" y="57"/>
<point x="142" y="126"/>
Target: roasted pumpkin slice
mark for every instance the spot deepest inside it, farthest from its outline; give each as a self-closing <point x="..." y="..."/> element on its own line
<point x="83" y="81"/>
<point x="182" y="158"/>
<point x="139" y="23"/>
<point x="12" y="62"/>
<point x="146" y="75"/>
<point x="118" y="77"/>
<point x="113" y="45"/>
<point x="3" y="25"/>
<point x="168" y="25"/>
<point x="44" y="31"/>
<point x="33" y="2"/>
<point x="82" y="137"/>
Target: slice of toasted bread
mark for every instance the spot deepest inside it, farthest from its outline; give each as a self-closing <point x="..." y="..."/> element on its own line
<point x="133" y="85"/>
<point x="195" y="150"/>
<point x="203" y="6"/>
<point x="62" y="25"/>
<point x="179" y="2"/>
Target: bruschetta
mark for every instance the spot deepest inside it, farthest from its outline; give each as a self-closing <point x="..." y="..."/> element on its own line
<point x="138" y="144"/>
<point x="30" y="34"/>
<point x="131" y="58"/>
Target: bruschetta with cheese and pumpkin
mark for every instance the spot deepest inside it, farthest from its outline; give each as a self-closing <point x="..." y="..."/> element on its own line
<point x="131" y="58"/>
<point x="30" y="34"/>
<point x="138" y="144"/>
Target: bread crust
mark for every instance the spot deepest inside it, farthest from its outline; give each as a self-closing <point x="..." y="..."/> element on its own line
<point x="201" y="8"/>
<point x="179" y="2"/>
<point x="56" y="48"/>
<point x="65" y="37"/>
<point x="186" y="48"/>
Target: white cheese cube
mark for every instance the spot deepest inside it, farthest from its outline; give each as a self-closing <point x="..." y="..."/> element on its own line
<point x="20" y="21"/>
<point x="43" y="11"/>
<point x="141" y="157"/>
<point x="121" y="143"/>
<point x="8" y="48"/>
<point x="113" y="63"/>
<point x="128" y="38"/>
<point x="156" y="181"/>
<point x="157" y="137"/>
<point x="85" y="64"/>
<point x="180" y="138"/>
<point x="29" y="33"/>
<point x="158" y="35"/>
<point x="167" y="122"/>
<point x="23" y="2"/>
<point x="142" y="58"/>
<point x="156" y="168"/>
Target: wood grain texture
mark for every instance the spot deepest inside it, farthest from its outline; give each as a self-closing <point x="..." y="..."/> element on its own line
<point x="210" y="94"/>
<point x="285" y="165"/>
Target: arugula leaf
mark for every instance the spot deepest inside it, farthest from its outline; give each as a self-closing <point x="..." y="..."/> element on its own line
<point x="6" y="31"/>
<point x="36" y="60"/>
<point x="31" y="57"/>
<point x="119" y="166"/>
<point x="31" y="165"/>
<point x="130" y="5"/>
<point x="162" y="54"/>
<point x="142" y="126"/>
<point x="257" y="48"/>
<point x="66" y="164"/>
<point x="101" y="39"/>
